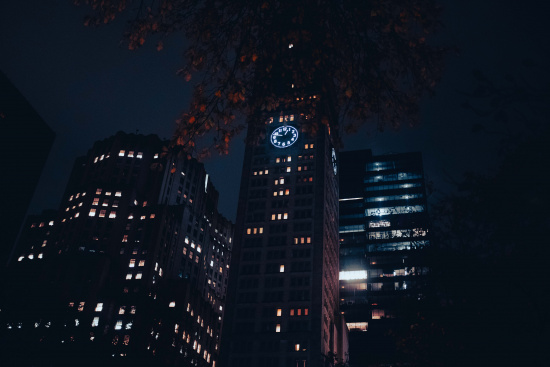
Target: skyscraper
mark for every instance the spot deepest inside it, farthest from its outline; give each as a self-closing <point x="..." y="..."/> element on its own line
<point x="131" y="270"/>
<point x="383" y="229"/>
<point x="284" y="278"/>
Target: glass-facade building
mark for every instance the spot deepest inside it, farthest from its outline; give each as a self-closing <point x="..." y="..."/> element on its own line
<point x="383" y="229"/>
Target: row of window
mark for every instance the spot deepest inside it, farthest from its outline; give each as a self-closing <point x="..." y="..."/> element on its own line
<point x="41" y="224"/>
<point x="107" y="193"/>
<point x="393" y="187"/>
<point x="99" y="308"/>
<point x="102" y="213"/>
<point x="122" y="153"/>
<point x="393" y="197"/>
<point x="415" y="232"/>
<point x="30" y="256"/>
<point x="393" y="177"/>
<point x="76" y="196"/>
<point x="394" y="210"/>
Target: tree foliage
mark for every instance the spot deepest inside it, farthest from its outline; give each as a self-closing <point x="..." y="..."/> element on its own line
<point x="338" y="62"/>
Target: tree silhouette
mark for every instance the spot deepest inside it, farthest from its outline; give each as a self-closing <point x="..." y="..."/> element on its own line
<point x="339" y="63"/>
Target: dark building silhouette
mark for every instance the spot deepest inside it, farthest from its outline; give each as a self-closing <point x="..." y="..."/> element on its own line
<point x="383" y="231"/>
<point x="25" y="143"/>
<point x="284" y="277"/>
<point x="131" y="271"/>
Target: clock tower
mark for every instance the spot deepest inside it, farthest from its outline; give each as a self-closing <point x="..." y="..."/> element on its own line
<point x="282" y="308"/>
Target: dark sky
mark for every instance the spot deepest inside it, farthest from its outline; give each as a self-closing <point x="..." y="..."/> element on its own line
<point x="87" y="87"/>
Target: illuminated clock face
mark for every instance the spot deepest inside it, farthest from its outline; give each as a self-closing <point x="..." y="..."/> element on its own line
<point x="334" y="164"/>
<point x="284" y="136"/>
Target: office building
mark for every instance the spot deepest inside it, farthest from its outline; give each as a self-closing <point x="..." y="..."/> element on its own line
<point x="284" y="277"/>
<point x="383" y="230"/>
<point x="134" y="269"/>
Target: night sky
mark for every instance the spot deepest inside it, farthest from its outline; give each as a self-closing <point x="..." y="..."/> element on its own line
<point x="86" y="86"/>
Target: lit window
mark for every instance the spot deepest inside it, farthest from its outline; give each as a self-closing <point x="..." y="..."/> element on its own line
<point x="281" y="269"/>
<point x="118" y="193"/>
<point x="102" y="213"/>
<point x="377" y="314"/>
<point x="96" y="201"/>
<point x="172" y="304"/>
<point x="287" y="191"/>
<point x="98" y="192"/>
<point x="131" y="216"/>
<point x="278" y="328"/>
<point x="277" y="160"/>
<point x="297" y="347"/>
<point x="112" y="214"/>
<point x="132" y="263"/>
<point x="81" y="306"/>
<point x="156" y="156"/>
<point x="118" y="325"/>
<point x="108" y="193"/>
<point x="273" y="216"/>
<point x="99" y="307"/>
<point x="41" y="225"/>
<point x="306" y="311"/>
<point x="92" y="213"/>
<point x="77" y="215"/>
<point x="95" y="160"/>
<point x="139" y="155"/>
<point x="21" y="258"/>
<point x="51" y="223"/>
<point x="131" y="154"/>
<point x="279" y="312"/>
<point x="142" y="217"/>
<point x="138" y="275"/>
<point x="261" y="230"/>
<point x="128" y="276"/>
<point x="282" y="181"/>
<point x="285" y="216"/>
<point x="121" y="153"/>
<point x="289" y="159"/>
<point x="95" y="322"/>
<point x="141" y="262"/>
<point x="31" y="256"/>
<point x="288" y="169"/>
<point x="353" y="275"/>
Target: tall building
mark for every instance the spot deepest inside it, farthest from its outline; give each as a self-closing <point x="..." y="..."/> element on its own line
<point x="131" y="271"/>
<point x="284" y="278"/>
<point x="383" y="229"/>
<point x="25" y="143"/>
